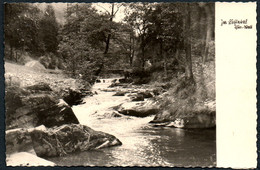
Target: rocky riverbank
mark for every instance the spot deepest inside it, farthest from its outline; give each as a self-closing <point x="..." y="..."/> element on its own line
<point x="39" y="118"/>
<point x="41" y="123"/>
<point x="183" y="107"/>
<point x="169" y="109"/>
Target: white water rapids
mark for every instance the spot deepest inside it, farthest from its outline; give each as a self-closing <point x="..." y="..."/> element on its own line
<point x="98" y="108"/>
<point x="143" y="144"/>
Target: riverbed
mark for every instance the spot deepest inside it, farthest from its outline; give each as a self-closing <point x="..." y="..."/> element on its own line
<point x="143" y="144"/>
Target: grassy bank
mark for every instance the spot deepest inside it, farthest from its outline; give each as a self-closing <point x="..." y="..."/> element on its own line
<point x="184" y="99"/>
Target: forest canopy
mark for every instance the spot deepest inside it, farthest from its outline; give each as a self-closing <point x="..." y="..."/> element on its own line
<point x="170" y="37"/>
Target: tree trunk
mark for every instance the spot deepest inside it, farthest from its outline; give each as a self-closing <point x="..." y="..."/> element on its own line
<point x="130" y="53"/>
<point x="208" y="33"/>
<point x="200" y="20"/>
<point x="133" y="51"/>
<point x="164" y="58"/>
<point x="143" y="55"/>
<point x="11" y="55"/>
<point x="206" y="48"/>
<point x="143" y="59"/>
<point x="107" y="43"/>
<point x="99" y="69"/>
<point x="73" y="68"/>
<point x="109" y="35"/>
<point x="165" y="65"/>
<point x="16" y="57"/>
<point x="202" y="28"/>
<point x="177" y="53"/>
<point x="187" y="24"/>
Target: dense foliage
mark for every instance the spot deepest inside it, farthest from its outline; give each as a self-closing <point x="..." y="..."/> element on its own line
<point x="28" y="29"/>
<point x="167" y="37"/>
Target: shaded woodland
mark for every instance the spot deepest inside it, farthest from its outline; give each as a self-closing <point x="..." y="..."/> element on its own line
<point x="129" y="69"/>
<point x="170" y="44"/>
<point x="165" y="34"/>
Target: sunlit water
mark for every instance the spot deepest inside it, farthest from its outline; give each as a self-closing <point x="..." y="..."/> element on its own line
<point x="143" y="144"/>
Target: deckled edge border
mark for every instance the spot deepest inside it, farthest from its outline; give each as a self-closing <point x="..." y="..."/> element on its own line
<point x="2" y="85"/>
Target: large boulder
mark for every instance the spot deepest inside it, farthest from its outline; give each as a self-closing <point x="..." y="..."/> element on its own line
<point x="119" y="93"/>
<point x="199" y="121"/>
<point x="138" y="97"/>
<point x="73" y="97"/>
<point x="56" y="115"/>
<point x="18" y="140"/>
<point x="35" y="105"/>
<point x="163" y="116"/>
<point x="202" y="119"/>
<point x="124" y="80"/>
<point x="110" y="114"/>
<point x="185" y="117"/>
<point x="70" y="138"/>
<point x="57" y="141"/>
<point x="138" y="109"/>
<point x="17" y="112"/>
<point x="146" y="94"/>
<point x="39" y="88"/>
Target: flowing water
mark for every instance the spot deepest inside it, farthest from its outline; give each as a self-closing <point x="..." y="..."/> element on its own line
<point x="143" y="144"/>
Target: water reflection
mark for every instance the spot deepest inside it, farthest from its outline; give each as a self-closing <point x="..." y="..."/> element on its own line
<point x="186" y="147"/>
<point x="143" y="144"/>
<point x="151" y="146"/>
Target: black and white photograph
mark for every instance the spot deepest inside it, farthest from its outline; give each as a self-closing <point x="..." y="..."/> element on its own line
<point x="110" y="84"/>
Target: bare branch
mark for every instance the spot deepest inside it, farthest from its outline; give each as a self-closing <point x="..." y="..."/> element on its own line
<point x="118" y="7"/>
<point x="104" y="9"/>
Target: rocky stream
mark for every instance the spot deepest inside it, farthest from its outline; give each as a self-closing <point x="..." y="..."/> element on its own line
<point x="121" y="111"/>
<point x="113" y="124"/>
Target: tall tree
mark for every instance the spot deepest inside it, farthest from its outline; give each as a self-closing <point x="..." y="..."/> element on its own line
<point x="108" y="29"/>
<point x="76" y="40"/>
<point x="125" y="39"/>
<point x="91" y="33"/>
<point x="207" y="27"/>
<point x="187" y="42"/>
<point x="137" y="16"/>
<point x="21" y="27"/>
<point x="49" y="30"/>
<point x="165" y="31"/>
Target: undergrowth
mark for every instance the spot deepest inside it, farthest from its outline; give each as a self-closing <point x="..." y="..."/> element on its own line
<point x="184" y="97"/>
